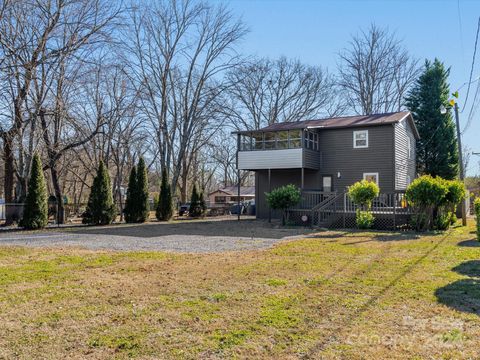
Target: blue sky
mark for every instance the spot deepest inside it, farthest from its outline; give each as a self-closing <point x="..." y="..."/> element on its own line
<point x="315" y="31"/>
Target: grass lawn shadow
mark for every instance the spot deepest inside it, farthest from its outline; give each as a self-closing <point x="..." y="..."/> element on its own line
<point x="462" y="295"/>
<point x="469" y="243"/>
<point x="470" y="268"/>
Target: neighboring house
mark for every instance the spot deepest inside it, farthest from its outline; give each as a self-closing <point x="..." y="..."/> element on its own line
<point x="328" y="155"/>
<point x="229" y="195"/>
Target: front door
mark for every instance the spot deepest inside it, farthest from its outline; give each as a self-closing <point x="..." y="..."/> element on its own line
<point x="327" y="183"/>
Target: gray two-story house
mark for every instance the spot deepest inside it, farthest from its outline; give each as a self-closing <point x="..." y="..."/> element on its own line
<point x="328" y="155"/>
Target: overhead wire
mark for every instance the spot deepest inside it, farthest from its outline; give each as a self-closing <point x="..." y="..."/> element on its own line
<point x="473" y="64"/>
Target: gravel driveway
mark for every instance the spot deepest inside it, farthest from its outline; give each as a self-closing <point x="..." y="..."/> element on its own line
<point x="187" y="236"/>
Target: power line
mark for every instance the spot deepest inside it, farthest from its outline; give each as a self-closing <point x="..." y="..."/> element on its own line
<point x="473" y="65"/>
<point x="461" y="32"/>
<point x="472" y="109"/>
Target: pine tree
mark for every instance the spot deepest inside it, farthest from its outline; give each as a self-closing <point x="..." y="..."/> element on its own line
<point x="100" y="207"/>
<point x="203" y="204"/>
<point x="130" y="203"/>
<point x="35" y="215"/>
<point x="143" y="207"/>
<point x="164" y="210"/>
<point x="437" y="150"/>
<point x="195" y="206"/>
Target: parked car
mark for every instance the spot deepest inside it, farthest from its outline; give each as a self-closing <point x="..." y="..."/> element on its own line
<point x="235" y="208"/>
<point x="183" y="210"/>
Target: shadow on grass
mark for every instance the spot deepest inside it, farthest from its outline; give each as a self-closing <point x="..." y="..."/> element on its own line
<point x="336" y="235"/>
<point x="469" y="243"/>
<point x="385" y="237"/>
<point x="463" y="295"/>
<point x="470" y="268"/>
<point x="243" y="228"/>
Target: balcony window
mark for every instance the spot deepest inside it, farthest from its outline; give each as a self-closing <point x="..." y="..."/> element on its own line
<point x="282" y="140"/>
<point x="245" y="142"/>
<point x="274" y="140"/>
<point x="295" y="139"/>
<point x="269" y="140"/>
<point x="257" y="141"/>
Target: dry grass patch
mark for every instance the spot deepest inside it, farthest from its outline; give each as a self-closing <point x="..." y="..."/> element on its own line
<point x="331" y="295"/>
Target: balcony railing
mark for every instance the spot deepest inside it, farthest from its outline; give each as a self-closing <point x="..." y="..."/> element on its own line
<point x="279" y="140"/>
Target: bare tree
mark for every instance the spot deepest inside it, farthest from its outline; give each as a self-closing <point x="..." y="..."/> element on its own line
<point x="376" y="72"/>
<point x="224" y="152"/>
<point x="265" y="92"/>
<point x="36" y="34"/>
<point x="179" y="51"/>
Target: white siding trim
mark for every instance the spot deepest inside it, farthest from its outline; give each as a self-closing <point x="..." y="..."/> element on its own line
<point x="270" y="159"/>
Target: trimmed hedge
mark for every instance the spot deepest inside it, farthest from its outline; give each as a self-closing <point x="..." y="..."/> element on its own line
<point x="477" y="216"/>
<point x="435" y="200"/>
<point x="362" y="193"/>
<point x="283" y="198"/>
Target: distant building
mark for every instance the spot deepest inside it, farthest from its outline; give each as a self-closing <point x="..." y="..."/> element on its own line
<point x="229" y="195"/>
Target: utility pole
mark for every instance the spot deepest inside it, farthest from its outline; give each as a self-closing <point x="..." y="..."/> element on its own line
<point x="460" y="157"/>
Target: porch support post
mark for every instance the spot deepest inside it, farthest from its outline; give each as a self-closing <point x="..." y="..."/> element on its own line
<point x="303" y="178"/>
<point x="269" y="189"/>
<point x="238" y="195"/>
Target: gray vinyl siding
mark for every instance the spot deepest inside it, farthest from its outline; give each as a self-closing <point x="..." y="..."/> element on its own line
<point x="278" y="159"/>
<point x="405" y="167"/>
<point x="336" y="155"/>
<point x="311" y="159"/>
<point x="339" y="156"/>
<point x="274" y="159"/>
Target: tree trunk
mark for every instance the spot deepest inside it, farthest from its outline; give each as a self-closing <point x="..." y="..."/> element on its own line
<point x="184" y="186"/>
<point x="58" y="194"/>
<point x="9" y="180"/>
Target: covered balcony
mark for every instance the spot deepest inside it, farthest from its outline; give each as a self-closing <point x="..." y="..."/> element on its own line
<point x="285" y="149"/>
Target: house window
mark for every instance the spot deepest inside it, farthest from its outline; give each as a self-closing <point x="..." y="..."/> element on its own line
<point x="220" y="199"/>
<point x="311" y="140"/>
<point x="360" y="139"/>
<point x="371" y="177"/>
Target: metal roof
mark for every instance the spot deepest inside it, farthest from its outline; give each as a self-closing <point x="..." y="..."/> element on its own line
<point x="340" y="122"/>
<point x="233" y="190"/>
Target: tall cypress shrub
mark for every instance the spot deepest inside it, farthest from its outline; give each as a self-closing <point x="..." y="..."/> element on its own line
<point x="130" y="203"/>
<point x="195" y="205"/>
<point x="142" y="192"/>
<point x="203" y="204"/>
<point x="437" y="150"/>
<point x="164" y="210"/>
<point x="35" y="215"/>
<point x="100" y="206"/>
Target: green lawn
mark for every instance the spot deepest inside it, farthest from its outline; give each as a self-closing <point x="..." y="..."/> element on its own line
<point x="333" y="295"/>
